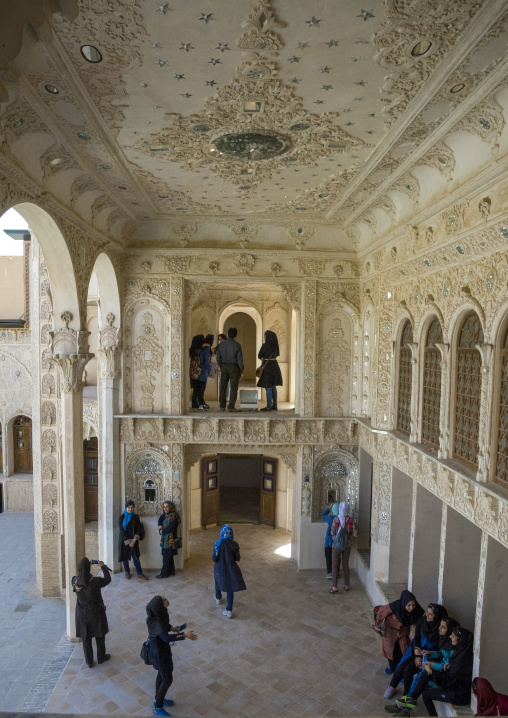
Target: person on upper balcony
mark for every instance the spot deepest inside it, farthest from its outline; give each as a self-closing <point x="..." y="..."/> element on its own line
<point x="230" y="361"/>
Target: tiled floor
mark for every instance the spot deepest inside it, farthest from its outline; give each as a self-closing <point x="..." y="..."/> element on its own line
<point x="291" y="649"/>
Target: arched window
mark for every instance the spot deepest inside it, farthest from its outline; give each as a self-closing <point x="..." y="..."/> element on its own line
<point x="405" y="377"/>
<point x="432" y="385"/>
<point x="502" y="424"/>
<point x="467" y="407"/>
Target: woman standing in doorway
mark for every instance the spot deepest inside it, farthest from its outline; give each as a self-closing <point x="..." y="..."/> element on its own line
<point x="91" y="620"/>
<point x="393" y="622"/>
<point x="227" y="574"/>
<point x="342" y="528"/>
<point x="195" y="371"/>
<point x="168" y="530"/>
<point x="271" y="377"/>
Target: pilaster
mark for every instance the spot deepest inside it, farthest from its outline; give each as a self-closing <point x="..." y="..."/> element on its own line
<point x="442" y="550"/>
<point x="485" y="419"/>
<point x="444" y="406"/>
<point x="479" y="596"/>
<point x="415" y="385"/>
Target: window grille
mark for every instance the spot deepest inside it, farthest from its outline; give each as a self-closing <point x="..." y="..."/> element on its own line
<point x="405" y="378"/>
<point x="467" y="407"/>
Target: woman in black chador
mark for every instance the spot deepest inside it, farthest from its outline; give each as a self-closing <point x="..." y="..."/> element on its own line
<point x="271" y="377"/>
<point x="168" y="530"/>
<point x="160" y="635"/>
<point x="91" y="620"/>
<point x="131" y="531"/>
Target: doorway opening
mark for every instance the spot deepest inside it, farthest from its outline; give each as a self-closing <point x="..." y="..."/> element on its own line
<point x="246" y="328"/>
<point x="91" y="478"/>
<point x="239" y="489"/>
<point x="23" y="462"/>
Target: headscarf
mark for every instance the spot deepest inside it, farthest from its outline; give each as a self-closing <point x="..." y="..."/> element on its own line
<point x="196" y="344"/>
<point x="335" y="510"/>
<point x="226" y="532"/>
<point x="342" y="513"/>
<point x="444" y="641"/>
<point x="157" y="617"/>
<point x="84" y="574"/>
<point x="271" y="338"/>
<point x="126" y="515"/>
<point x="430" y="629"/>
<point x="489" y="703"/>
<point x="461" y="661"/>
<point x="406" y="618"/>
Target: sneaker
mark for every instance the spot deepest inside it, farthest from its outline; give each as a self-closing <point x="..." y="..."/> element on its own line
<point x="228" y="614"/>
<point x="389" y="692"/>
<point x="218" y="601"/>
<point x="167" y="703"/>
<point x="207" y="406"/>
<point x="406" y="702"/>
<point x="160" y="712"/>
<point x="396" y="711"/>
<point x="329" y="576"/>
<point x="203" y="408"/>
<point x="388" y="671"/>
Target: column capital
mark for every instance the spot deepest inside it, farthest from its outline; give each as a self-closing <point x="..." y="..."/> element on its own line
<point x="109" y="363"/>
<point x="70" y="354"/>
<point x="71" y="370"/>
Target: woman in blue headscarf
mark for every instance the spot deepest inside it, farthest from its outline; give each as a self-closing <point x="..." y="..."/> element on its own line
<point x="131" y="531"/>
<point x="227" y="574"/>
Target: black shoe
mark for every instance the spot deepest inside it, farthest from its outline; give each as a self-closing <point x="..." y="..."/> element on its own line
<point x="275" y="408"/>
<point x="159" y="575"/>
<point x="106" y="658"/>
<point x="266" y="408"/>
<point x="90" y="665"/>
<point x="207" y="406"/>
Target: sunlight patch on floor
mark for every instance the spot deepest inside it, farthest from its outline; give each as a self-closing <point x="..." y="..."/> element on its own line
<point x="284" y="550"/>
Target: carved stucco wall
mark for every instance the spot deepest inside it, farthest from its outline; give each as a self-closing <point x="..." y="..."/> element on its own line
<point x="335" y="470"/>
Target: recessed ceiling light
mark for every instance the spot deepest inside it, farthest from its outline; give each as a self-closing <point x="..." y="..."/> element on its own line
<point x="84" y="136"/>
<point x="55" y="161"/>
<point x="457" y="88"/>
<point x="91" y="53"/>
<point x="51" y="89"/>
<point x="122" y="187"/>
<point x="134" y="202"/>
<point x="163" y="196"/>
<point x="421" y="48"/>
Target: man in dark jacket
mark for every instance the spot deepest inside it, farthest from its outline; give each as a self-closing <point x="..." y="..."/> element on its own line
<point x="230" y="360"/>
<point x="131" y="531"/>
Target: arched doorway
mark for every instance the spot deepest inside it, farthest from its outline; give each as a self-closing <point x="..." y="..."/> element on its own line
<point x="91" y="478"/>
<point x="246" y="327"/>
<point x="23" y="462"/>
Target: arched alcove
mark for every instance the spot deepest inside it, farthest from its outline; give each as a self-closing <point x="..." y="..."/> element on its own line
<point x="148" y="481"/>
<point x="246" y="327"/>
<point x="335" y="480"/>
<point x="225" y="322"/>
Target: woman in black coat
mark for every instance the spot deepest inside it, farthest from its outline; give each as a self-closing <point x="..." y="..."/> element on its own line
<point x="91" y="620"/>
<point x="227" y="574"/>
<point x="271" y="377"/>
<point x="131" y="530"/>
<point x="168" y="530"/>
<point x="160" y="635"/>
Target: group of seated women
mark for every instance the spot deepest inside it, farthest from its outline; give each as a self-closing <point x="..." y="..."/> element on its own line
<point x="431" y="655"/>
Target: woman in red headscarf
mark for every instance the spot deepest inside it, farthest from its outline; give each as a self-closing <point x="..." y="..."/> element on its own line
<point x="489" y="703"/>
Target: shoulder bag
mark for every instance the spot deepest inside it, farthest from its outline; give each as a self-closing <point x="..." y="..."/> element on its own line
<point x="145" y="653"/>
<point x="261" y="368"/>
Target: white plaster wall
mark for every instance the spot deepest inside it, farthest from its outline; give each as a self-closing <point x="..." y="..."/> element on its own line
<point x="150" y="549"/>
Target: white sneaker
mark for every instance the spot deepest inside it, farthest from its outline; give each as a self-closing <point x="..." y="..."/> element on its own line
<point x="329" y="576"/>
<point x="218" y="601"/>
<point x="228" y="614"/>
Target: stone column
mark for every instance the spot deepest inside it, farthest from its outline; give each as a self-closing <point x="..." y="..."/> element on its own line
<point x="70" y="354"/>
<point x="479" y="598"/>
<point x="485" y="420"/>
<point x="309" y="347"/>
<point x="415" y="385"/>
<point x="444" y="405"/>
<point x="380" y="518"/>
<point x="110" y="501"/>
<point x="442" y="551"/>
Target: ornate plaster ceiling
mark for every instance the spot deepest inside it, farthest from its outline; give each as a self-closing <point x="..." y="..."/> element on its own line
<point x="316" y="125"/>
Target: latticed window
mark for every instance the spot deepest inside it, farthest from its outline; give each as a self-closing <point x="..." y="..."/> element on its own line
<point x="405" y="377"/>
<point x="467" y="408"/>
<point x="502" y="431"/>
<point x="432" y="385"/>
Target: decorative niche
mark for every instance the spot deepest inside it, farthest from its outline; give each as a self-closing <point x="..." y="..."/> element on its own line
<point x="335" y="480"/>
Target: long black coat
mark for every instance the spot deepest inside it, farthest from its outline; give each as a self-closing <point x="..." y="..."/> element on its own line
<point x="91" y="619"/>
<point x="133" y="528"/>
<point x="271" y="375"/>
<point x="226" y="570"/>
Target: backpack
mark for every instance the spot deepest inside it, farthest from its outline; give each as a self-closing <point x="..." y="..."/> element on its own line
<point x="341" y="538"/>
<point x="195" y="367"/>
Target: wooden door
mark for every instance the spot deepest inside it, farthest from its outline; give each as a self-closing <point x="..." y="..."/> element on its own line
<point x="210" y="494"/>
<point x="91" y="478"/>
<point x="268" y="492"/>
<point x="23" y="445"/>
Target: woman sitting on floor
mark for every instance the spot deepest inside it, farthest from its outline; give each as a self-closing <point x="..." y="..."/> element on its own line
<point x="393" y="622"/>
<point x="489" y="703"/>
<point x="426" y="636"/>
<point x="453" y="682"/>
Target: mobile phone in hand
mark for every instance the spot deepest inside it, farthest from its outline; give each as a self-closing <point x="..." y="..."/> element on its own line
<point x="182" y="627"/>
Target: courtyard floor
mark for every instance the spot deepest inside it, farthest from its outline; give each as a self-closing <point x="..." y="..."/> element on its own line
<point x="291" y="649"/>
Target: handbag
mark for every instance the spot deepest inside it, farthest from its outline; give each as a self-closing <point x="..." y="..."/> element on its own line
<point x="261" y="368"/>
<point x="145" y="653"/>
<point x="195" y="367"/>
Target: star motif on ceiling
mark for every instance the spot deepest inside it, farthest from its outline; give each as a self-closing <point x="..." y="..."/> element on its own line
<point x="163" y="8"/>
<point x="319" y="102"/>
<point x="347" y="109"/>
<point x="295" y="81"/>
<point x="186" y="94"/>
<point x="349" y="124"/>
<point x="294" y="59"/>
<point x="214" y="62"/>
<point x="355" y="59"/>
<point x="326" y="69"/>
<point x="370" y="132"/>
<point x="211" y="83"/>
<point x="362" y="83"/>
<point x="332" y="43"/>
<point x="179" y="77"/>
<point x="372" y="114"/>
<point x="358" y="99"/>
<point x="206" y="16"/>
<point x="303" y="45"/>
<point x="361" y="41"/>
<point x="313" y="22"/>
<point x="155" y="45"/>
<point x="365" y="14"/>
<point x="223" y="46"/>
<point x="144" y="84"/>
<point x="157" y="107"/>
<point x="186" y="46"/>
<point x="161" y="63"/>
<point x="327" y="87"/>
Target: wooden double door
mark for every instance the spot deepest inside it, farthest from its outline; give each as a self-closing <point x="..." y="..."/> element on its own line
<point x="226" y="500"/>
<point x="23" y="462"/>
<point x="91" y="478"/>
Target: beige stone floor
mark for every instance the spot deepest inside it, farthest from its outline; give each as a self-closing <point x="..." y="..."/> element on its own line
<point x="291" y="649"/>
